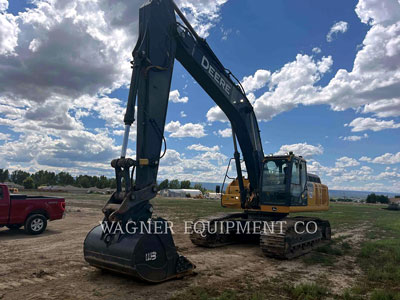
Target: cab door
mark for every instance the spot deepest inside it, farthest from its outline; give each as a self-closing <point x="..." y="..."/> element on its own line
<point x="4" y="206"/>
<point x="298" y="185"/>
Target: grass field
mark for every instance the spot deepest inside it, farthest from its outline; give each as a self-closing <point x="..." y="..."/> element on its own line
<point x="365" y="248"/>
<point x="376" y="252"/>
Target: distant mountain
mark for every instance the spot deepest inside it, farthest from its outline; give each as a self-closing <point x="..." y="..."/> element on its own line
<point x="355" y="194"/>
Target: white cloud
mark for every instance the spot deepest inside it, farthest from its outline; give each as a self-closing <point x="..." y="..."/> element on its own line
<point x="339" y="27"/>
<point x="250" y="84"/>
<point x="345" y="162"/>
<point x="343" y="171"/>
<point x="216" y="114"/>
<point x="378" y="12"/>
<point x="345" y="176"/>
<point x="302" y="149"/>
<point x="386" y="159"/>
<point x="257" y="81"/>
<point x="213" y="156"/>
<point x="183" y="115"/>
<point x="293" y="84"/>
<point x="362" y="124"/>
<point x="370" y="87"/>
<point x="384" y="108"/>
<point x="354" y="138"/>
<point x="203" y="14"/>
<point x="288" y="87"/>
<point x="225" y="33"/>
<point x="175" y="97"/>
<point x="225" y="133"/>
<point x="200" y="147"/>
<point x="8" y="31"/>
<point x="78" y="51"/>
<point x="4" y="136"/>
<point x="205" y="167"/>
<point x="179" y="130"/>
<point x="316" y="50"/>
<point x="365" y="158"/>
<point x="73" y="151"/>
<point x="374" y="81"/>
<point x="388" y="175"/>
<point x="3" y="5"/>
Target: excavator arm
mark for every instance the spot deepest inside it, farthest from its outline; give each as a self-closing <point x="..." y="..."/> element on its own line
<point x="152" y="256"/>
<point x="162" y="40"/>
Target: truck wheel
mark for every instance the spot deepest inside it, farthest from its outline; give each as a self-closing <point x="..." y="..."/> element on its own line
<point x="35" y="224"/>
<point x="14" y="226"/>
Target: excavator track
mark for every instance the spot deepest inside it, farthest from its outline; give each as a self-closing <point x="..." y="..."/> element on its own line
<point x="202" y="233"/>
<point x="285" y="243"/>
<point x="281" y="241"/>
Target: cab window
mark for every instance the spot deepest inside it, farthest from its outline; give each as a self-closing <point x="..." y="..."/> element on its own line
<point x="1" y="193"/>
<point x="303" y="175"/>
<point x="296" y="173"/>
<point x="295" y="187"/>
<point x="274" y="178"/>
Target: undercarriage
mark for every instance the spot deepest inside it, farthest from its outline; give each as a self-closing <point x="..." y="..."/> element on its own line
<point x="279" y="237"/>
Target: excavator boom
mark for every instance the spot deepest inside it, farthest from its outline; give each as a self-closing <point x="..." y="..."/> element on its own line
<point x="119" y="243"/>
<point x="153" y="257"/>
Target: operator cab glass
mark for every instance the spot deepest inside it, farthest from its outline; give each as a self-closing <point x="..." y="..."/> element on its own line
<point x="284" y="181"/>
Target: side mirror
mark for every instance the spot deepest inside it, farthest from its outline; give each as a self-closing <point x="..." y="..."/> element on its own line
<point x="218" y="189"/>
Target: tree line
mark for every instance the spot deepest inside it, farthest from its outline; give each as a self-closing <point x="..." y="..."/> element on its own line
<point x="39" y="178"/>
<point x="373" y="198"/>
<point x="45" y="178"/>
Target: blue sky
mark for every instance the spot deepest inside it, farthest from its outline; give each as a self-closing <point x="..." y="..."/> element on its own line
<point x="335" y="100"/>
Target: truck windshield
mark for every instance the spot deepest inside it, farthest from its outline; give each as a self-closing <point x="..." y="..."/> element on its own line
<point x="275" y="174"/>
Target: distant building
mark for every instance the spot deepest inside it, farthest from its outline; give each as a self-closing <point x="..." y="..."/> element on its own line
<point x="95" y="190"/>
<point x="396" y="199"/>
<point x="12" y="185"/>
<point x="59" y="188"/>
<point x="213" y="196"/>
<point x="181" y="193"/>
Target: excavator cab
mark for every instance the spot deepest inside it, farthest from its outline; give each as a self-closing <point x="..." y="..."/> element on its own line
<point x="284" y="181"/>
<point x="286" y="187"/>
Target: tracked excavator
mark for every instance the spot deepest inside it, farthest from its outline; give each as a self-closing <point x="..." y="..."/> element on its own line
<point x="275" y="186"/>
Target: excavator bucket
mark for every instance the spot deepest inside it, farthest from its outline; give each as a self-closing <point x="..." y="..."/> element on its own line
<point x="148" y="255"/>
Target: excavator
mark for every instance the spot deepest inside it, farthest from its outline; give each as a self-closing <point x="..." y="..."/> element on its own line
<point x="275" y="186"/>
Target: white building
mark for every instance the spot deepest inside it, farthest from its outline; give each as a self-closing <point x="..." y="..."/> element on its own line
<point x="216" y="196"/>
<point x="181" y="193"/>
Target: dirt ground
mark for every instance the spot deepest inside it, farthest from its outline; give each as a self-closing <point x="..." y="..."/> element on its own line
<point x="51" y="266"/>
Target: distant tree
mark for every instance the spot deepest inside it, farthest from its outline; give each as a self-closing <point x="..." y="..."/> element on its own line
<point x="44" y="178"/>
<point x="185" y="184"/>
<point x="19" y="176"/>
<point x="174" y="184"/>
<point x="4" y="175"/>
<point x="383" y="199"/>
<point x="28" y="183"/>
<point x="64" y="178"/>
<point x="112" y="183"/>
<point x="83" y="181"/>
<point x="102" y="183"/>
<point x="163" y="185"/>
<point x="371" y="198"/>
<point x="198" y="186"/>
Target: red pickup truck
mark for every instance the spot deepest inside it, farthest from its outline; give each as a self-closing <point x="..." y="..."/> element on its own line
<point x="32" y="212"/>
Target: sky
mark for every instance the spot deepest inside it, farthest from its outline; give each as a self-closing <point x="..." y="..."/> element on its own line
<point x="323" y="77"/>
